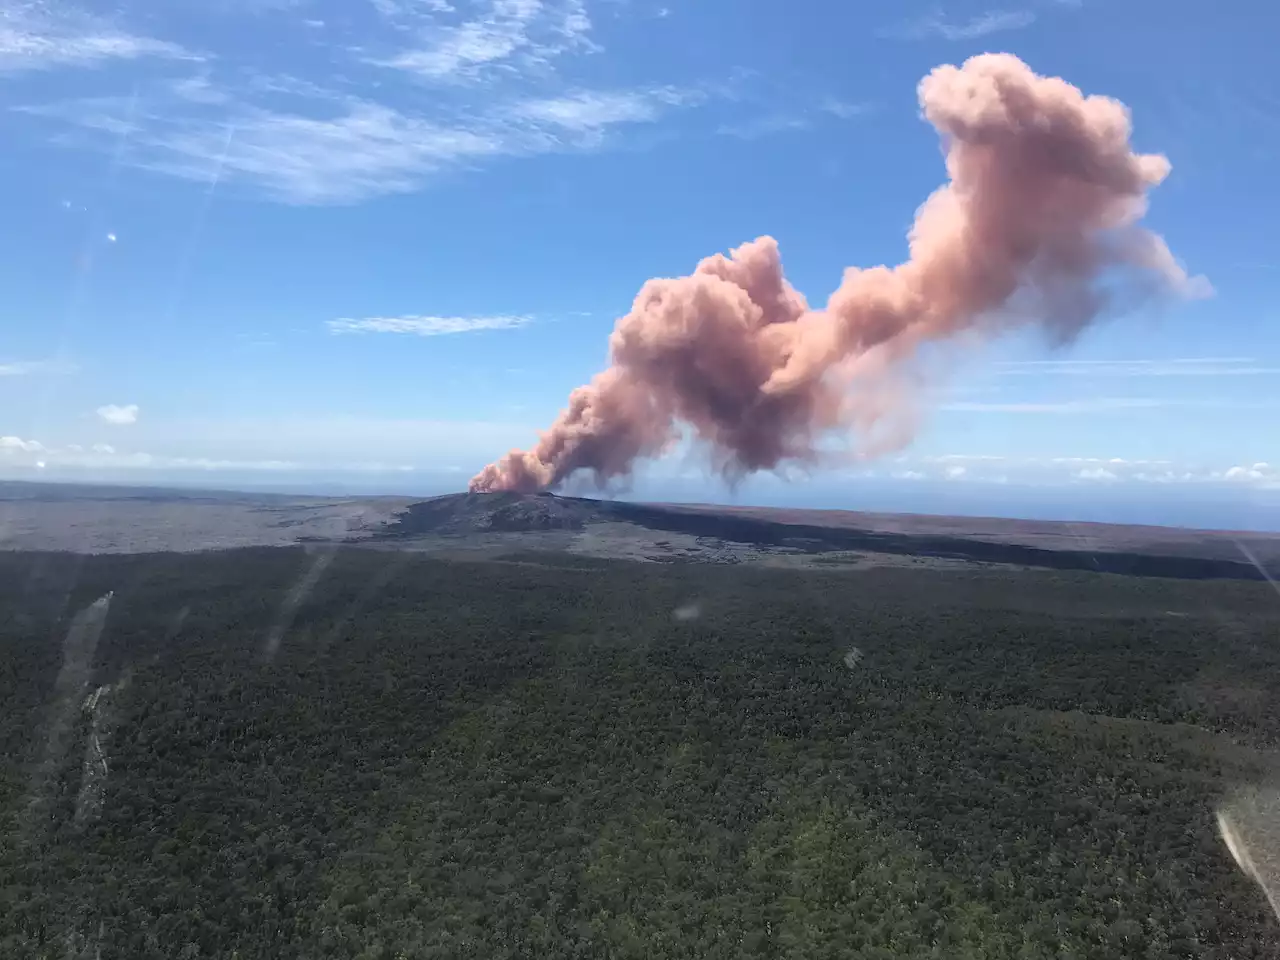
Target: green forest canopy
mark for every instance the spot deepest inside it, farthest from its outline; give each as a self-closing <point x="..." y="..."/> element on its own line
<point x="533" y="757"/>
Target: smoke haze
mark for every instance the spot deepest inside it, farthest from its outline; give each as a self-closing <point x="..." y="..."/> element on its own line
<point x="1038" y="224"/>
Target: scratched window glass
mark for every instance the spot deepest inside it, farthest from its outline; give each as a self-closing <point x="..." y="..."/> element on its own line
<point x="639" y="479"/>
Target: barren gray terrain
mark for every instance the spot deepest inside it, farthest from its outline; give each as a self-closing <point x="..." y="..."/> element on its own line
<point x="86" y="519"/>
<point x="89" y="519"/>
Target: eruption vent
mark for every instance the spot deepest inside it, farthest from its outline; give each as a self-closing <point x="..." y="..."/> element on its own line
<point x="1038" y="224"/>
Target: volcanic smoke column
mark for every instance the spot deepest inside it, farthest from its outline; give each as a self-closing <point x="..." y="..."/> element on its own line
<point x="1038" y="224"/>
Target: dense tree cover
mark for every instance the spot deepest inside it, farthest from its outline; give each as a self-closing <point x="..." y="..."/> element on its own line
<point x="377" y="755"/>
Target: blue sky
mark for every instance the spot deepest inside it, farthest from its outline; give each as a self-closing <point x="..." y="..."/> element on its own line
<point x="375" y="243"/>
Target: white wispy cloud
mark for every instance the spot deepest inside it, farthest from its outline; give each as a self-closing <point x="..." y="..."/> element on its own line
<point x="587" y="111"/>
<point x="792" y="120"/>
<point x="40" y="36"/>
<point x="311" y="139"/>
<point x="365" y="150"/>
<point x="765" y="126"/>
<point x="1098" y="474"/>
<point x="1063" y="469"/>
<point x="1177" y="367"/>
<point x="32" y="455"/>
<point x="845" y="109"/>
<point x="1258" y="472"/>
<point x="119" y="416"/>
<point x="1257" y="476"/>
<point x="426" y="326"/>
<point x="23" y="368"/>
<point x="508" y="37"/>
<point x="344" y="149"/>
<point x="10" y="445"/>
<point x="198" y="88"/>
<point x="935" y="25"/>
<point x="286" y="84"/>
<point x="323" y="444"/>
<point x="460" y="54"/>
<point x="102" y="457"/>
<point x="308" y="139"/>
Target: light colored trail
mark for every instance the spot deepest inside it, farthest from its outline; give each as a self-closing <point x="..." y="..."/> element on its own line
<point x="78" y="649"/>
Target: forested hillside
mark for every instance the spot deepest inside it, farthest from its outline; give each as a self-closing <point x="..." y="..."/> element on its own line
<point x="311" y="754"/>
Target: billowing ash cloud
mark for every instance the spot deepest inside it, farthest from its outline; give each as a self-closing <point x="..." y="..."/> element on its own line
<point x="1038" y="224"/>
